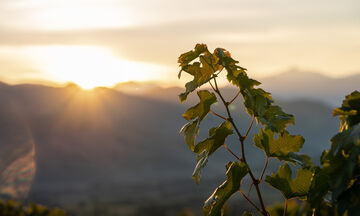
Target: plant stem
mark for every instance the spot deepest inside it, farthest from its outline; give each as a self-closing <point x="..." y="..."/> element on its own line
<point x="241" y="139"/>
<point x="250" y="189"/>
<point x="247" y="199"/>
<point x="285" y="207"/>
<point x="248" y="131"/>
<point x="237" y="94"/>
<point x="231" y="152"/>
<point x="265" y="166"/>
<point x="220" y="116"/>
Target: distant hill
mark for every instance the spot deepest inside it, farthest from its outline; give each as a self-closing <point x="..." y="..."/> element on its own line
<point x="93" y="139"/>
<point x="290" y="85"/>
<point x="295" y="84"/>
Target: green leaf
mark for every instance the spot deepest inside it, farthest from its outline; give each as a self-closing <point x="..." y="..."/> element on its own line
<point x="256" y="101"/>
<point x="247" y="214"/>
<point x="341" y="160"/>
<point x="281" y="147"/>
<point x="201" y="77"/>
<point x="217" y="137"/>
<point x="235" y="173"/>
<point x="197" y="113"/>
<point x="239" y="78"/>
<point x="289" y="187"/>
<point x="318" y="189"/>
<point x="276" y="119"/>
<point x="293" y="209"/>
<point x="209" y="146"/>
<point x="201" y="159"/>
<point x="201" y="71"/>
<point x="350" y="201"/>
<point x="187" y="57"/>
<point x="303" y="160"/>
<point x="190" y="130"/>
<point x="202" y="108"/>
<point x="349" y="112"/>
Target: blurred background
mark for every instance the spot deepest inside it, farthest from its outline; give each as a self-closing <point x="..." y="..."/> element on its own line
<point x="89" y="113"/>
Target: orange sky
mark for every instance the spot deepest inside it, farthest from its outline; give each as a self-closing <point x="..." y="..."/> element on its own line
<point x="102" y="42"/>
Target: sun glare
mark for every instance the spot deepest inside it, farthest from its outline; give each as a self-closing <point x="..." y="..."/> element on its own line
<point x="91" y="67"/>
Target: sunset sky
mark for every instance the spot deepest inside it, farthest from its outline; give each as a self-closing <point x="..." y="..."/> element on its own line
<point x="102" y="42"/>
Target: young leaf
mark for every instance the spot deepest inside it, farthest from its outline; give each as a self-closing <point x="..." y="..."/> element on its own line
<point x="197" y="113"/>
<point x="202" y="108"/>
<point x="187" y="57"/>
<point x="201" y="71"/>
<point x="201" y="159"/>
<point x="303" y="160"/>
<point x="209" y="146"/>
<point x="256" y="101"/>
<point x="276" y="119"/>
<point x="235" y="173"/>
<point x="235" y="74"/>
<point x="289" y="187"/>
<point x="349" y="111"/>
<point x="281" y="147"/>
<point x="239" y="78"/>
<point x="190" y="130"/>
<point x="217" y="137"/>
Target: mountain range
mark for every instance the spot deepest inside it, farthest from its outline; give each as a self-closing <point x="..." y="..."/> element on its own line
<point x="122" y="143"/>
<point x="289" y="85"/>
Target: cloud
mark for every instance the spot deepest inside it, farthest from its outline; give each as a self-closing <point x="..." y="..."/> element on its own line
<point x="267" y="36"/>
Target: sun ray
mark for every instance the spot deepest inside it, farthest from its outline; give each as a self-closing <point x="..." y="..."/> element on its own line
<point x="91" y="67"/>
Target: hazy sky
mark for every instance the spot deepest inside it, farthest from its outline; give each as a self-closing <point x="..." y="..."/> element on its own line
<point x="101" y="42"/>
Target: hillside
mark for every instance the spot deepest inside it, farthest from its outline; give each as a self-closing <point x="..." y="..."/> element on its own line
<point x="107" y="141"/>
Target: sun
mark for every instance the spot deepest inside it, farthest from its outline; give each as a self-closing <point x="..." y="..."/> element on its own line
<point x="91" y="67"/>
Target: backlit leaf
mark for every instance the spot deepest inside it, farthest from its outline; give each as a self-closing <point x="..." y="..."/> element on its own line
<point x="202" y="108"/>
<point x="303" y="160"/>
<point x="276" y="119"/>
<point x="256" y="101"/>
<point x="201" y="159"/>
<point x="191" y="130"/>
<point x="201" y="71"/>
<point x="210" y="145"/>
<point x="235" y="173"/>
<point x="217" y="137"/>
<point x="187" y="57"/>
<point x="289" y="187"/>
<point x="349" y="112"/>
<point x="280" y="147"/>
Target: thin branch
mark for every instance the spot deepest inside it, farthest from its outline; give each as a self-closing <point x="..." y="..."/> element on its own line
<point x="247" y="199"/>
<point x="220" y="116"/>
<point x="231" y="152"/>
<point x="212" y="86"/>
<point x="226" y="104"/>
<point x="237" y="94"/>
<point x="285" y="207"/>
<point x="252" y="184"/>
<point x="265" y="166"/>
<point x="241" y="139"/>
<point x="248" y="130"/>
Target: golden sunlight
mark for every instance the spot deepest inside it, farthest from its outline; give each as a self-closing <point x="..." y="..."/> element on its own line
<point x="91" y="67"/>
